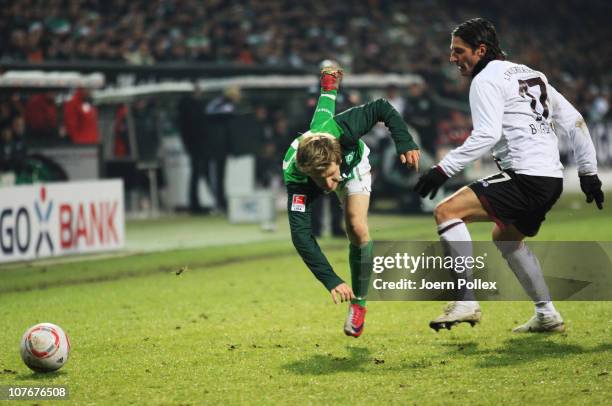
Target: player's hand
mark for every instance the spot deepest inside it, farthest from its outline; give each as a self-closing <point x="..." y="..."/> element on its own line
<point x="429" y="183"/>
<point x="331" y="76"/>
<point x="411" y="158"/>
<point x="342" y="292"/>
<point x="591" y="186"/>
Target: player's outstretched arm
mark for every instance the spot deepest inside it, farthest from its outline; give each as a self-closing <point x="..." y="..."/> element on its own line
<point x="358" y="121"/>
<point x="487" y="106"/>
<point x="299" y="209"/>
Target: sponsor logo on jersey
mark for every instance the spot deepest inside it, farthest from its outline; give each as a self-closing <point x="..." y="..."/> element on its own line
<point x="298" y="203"/>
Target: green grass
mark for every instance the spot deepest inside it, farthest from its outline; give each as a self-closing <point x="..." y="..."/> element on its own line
<point x="247" y="323"/>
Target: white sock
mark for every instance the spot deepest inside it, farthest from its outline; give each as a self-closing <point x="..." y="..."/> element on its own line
<point x="454" y="230"/>
<point x="458" y="242"/>
<point x="545" y="308"/>
<point x="526" y="267"/>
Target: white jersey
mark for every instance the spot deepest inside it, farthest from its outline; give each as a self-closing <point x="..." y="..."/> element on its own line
<point x="518" y="114"/>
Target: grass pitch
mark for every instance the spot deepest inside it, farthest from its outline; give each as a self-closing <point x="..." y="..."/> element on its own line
<point x="247" y="323"/>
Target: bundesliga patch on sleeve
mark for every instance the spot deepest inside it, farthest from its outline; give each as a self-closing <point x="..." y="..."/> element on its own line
<point x="298" y="203"/>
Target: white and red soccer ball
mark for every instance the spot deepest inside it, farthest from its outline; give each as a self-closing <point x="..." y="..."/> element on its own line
<point x="45" y="347"/>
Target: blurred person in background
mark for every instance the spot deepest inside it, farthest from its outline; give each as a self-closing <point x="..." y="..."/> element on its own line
<point x="8" y="111"/>
<point x="453" y="129"/>
<point x="600" y="107"/>
<point x="420" y="113"/>
<point x="41" y="117"/>
<point x="148" y="149"/>
<point x="81" y="118"/>
<point x="7" y="148"/>
<point x="121" y="142"/>
<point x="192" y="126"/>
<point x="266" y="165"/>
<point x="244" y="128"/>
<point x="220" y="112"/>
<point x="12" y="144"/>
<point x="395" y="98"/>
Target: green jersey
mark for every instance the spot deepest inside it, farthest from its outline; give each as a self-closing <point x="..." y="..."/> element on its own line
<point x="348" y="127"/>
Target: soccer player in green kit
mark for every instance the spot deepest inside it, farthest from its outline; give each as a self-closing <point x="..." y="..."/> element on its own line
<point x="331" y="157"/>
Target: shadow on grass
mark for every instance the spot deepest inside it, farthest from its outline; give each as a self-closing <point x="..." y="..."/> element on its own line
<point x="463" y="347"/>
<point x="324" y="364"/>
<point x="523" y="349"/>
<point x="40" y="376"/>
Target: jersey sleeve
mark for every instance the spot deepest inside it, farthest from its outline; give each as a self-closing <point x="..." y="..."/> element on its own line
<point x="487" y="107"/>
<point x="569" y="122"/>
<point x="299" y="208"/>
<point x="358" y="121"/>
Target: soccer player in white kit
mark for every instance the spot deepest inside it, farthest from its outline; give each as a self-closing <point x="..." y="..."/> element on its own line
<point x="517" y="114"/>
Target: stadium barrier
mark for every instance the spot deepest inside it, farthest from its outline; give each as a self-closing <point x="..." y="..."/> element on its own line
<point x="63" y="218"/>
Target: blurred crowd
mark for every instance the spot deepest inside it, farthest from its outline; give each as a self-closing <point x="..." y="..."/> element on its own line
<point x="44" y="119"/>
<point x="235" y="124"/>
<point x="568" y="40"/>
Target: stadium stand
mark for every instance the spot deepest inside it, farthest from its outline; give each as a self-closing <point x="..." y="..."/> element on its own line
<point x="366" y="37"/>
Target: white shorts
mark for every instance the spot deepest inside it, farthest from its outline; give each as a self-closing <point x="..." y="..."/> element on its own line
<point x="361" y="184"/>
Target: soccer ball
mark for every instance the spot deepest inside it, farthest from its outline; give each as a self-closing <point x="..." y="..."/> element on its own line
<point x="45" y="347"/>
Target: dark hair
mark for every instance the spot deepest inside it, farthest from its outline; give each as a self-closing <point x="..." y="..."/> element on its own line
<point x="478" y="31"/>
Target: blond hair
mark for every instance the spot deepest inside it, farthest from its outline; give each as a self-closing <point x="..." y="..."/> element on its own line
<point x="316" y="152"/>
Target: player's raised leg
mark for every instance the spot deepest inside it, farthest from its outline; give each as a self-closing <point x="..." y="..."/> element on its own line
<point x="326" y="105"/>
<point x="360" y="259"/>
<point x="451" y="215"/>
<point x="528" y="271"/>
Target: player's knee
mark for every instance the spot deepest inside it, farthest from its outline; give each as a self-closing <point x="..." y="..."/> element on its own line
<point x="358" y="232"/>
<point x="507" y="247"/>
<point x="497" y="235"/>
<point x="505" y="240"/>
<point x="443" y="212"/>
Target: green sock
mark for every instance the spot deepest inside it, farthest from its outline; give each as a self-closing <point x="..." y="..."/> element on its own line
<point x="360" y="302"/>
<point x="360" y="262"/>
